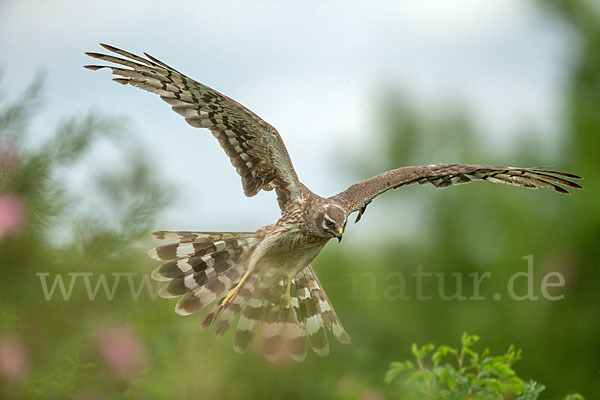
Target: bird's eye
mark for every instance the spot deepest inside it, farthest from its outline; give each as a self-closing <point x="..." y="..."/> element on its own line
<point x="330" y="225"/>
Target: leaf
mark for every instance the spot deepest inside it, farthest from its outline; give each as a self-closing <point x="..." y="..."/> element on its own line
<point x="442" y="351"/>
<point x="468" y="340"/>
<point x="396" y="368"/>
<point x="531" y="391"/>
<point x="415" y="350"/>
<point x="486" y="378"/>
<point x="574" y="396"/>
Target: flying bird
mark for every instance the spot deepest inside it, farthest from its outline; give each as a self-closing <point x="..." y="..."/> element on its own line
<point x="266" y="276"/>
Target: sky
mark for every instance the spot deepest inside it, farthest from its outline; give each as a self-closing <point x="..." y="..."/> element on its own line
<point x="314" y="70"/>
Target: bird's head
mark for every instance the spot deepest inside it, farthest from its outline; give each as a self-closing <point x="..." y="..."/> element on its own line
<point x="331" y="221"/>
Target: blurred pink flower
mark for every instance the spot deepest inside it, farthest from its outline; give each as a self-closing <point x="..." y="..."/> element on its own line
<point x="121" y="350"/>
<point x="14" y="363"/>
<point x="12" y="214"/>
<point x="372" y="394"/>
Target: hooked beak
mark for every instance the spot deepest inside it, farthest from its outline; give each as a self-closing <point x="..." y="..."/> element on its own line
<point x="339" y="234"/>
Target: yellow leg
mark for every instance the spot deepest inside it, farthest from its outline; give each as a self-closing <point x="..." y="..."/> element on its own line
<point x="233" y="292"/>
<point x="287" y="296"/>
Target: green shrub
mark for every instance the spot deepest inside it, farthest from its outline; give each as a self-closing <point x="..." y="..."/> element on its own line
<point x="460" y="374"/>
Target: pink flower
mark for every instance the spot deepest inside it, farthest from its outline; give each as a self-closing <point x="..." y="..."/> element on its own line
<point x="12" y="214"/>
<point x="121" y="350"/>
<point x="14" y="364"/>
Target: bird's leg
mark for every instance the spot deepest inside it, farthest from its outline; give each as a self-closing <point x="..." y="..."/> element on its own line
<point x="287" y="296"/>
<point x="233" y="292"/>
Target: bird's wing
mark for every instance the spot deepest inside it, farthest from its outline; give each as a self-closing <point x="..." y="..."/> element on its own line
<point x="358" y="196"/>
<point x="255" y="148"/>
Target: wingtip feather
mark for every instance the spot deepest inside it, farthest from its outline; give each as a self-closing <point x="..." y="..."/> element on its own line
<point x="110" y="47"/>
<point x="156" y="60"/>
<point x="93" y="54"/>
<point x="93" y="67"/>
<point x="565" y="174"/>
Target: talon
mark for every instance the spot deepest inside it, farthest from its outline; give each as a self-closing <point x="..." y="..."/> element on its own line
<point x="230" y="296"/>
<point x="288" y="302"/>
<point x="233" y="292"/>
<point x="287" y="296"/>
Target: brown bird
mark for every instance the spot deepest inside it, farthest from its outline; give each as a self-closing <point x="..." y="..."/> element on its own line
<point x="266" y="275"/>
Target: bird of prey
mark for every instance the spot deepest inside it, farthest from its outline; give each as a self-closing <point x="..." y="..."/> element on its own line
<point x="266" y="276"/>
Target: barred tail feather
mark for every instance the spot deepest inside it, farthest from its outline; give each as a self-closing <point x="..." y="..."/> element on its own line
<point x="296" y="336"/>
<point x="249" y="322"/>
<point x="274" y="331"/>
<point x="290" y="330"/>
<point x="196" y="243"/>
<point x="314" y="323"/>
<point x="202" y="266"/>
<point x="325" y="308"/>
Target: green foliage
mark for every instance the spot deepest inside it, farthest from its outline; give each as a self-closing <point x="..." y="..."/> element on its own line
<point x="103" y="229"/>
<point x="463" y="374"/>
<point x="47" y="227"/>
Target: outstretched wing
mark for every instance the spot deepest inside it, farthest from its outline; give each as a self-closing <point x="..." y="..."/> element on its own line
<point x="255" y="148"/>
<point x="358" y="196"/>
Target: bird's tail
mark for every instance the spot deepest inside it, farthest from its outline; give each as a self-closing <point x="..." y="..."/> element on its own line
<point x="203" y="266"/>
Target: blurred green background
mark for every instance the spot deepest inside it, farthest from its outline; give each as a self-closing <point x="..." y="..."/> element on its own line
<point x="122" y="348"/>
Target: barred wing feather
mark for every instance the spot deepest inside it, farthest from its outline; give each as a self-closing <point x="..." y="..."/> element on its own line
<point x="254" y="147"/>
<point x="358" y="196"/>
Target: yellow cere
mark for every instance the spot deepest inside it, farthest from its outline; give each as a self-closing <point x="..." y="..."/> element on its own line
<point x="340" y="230"/>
